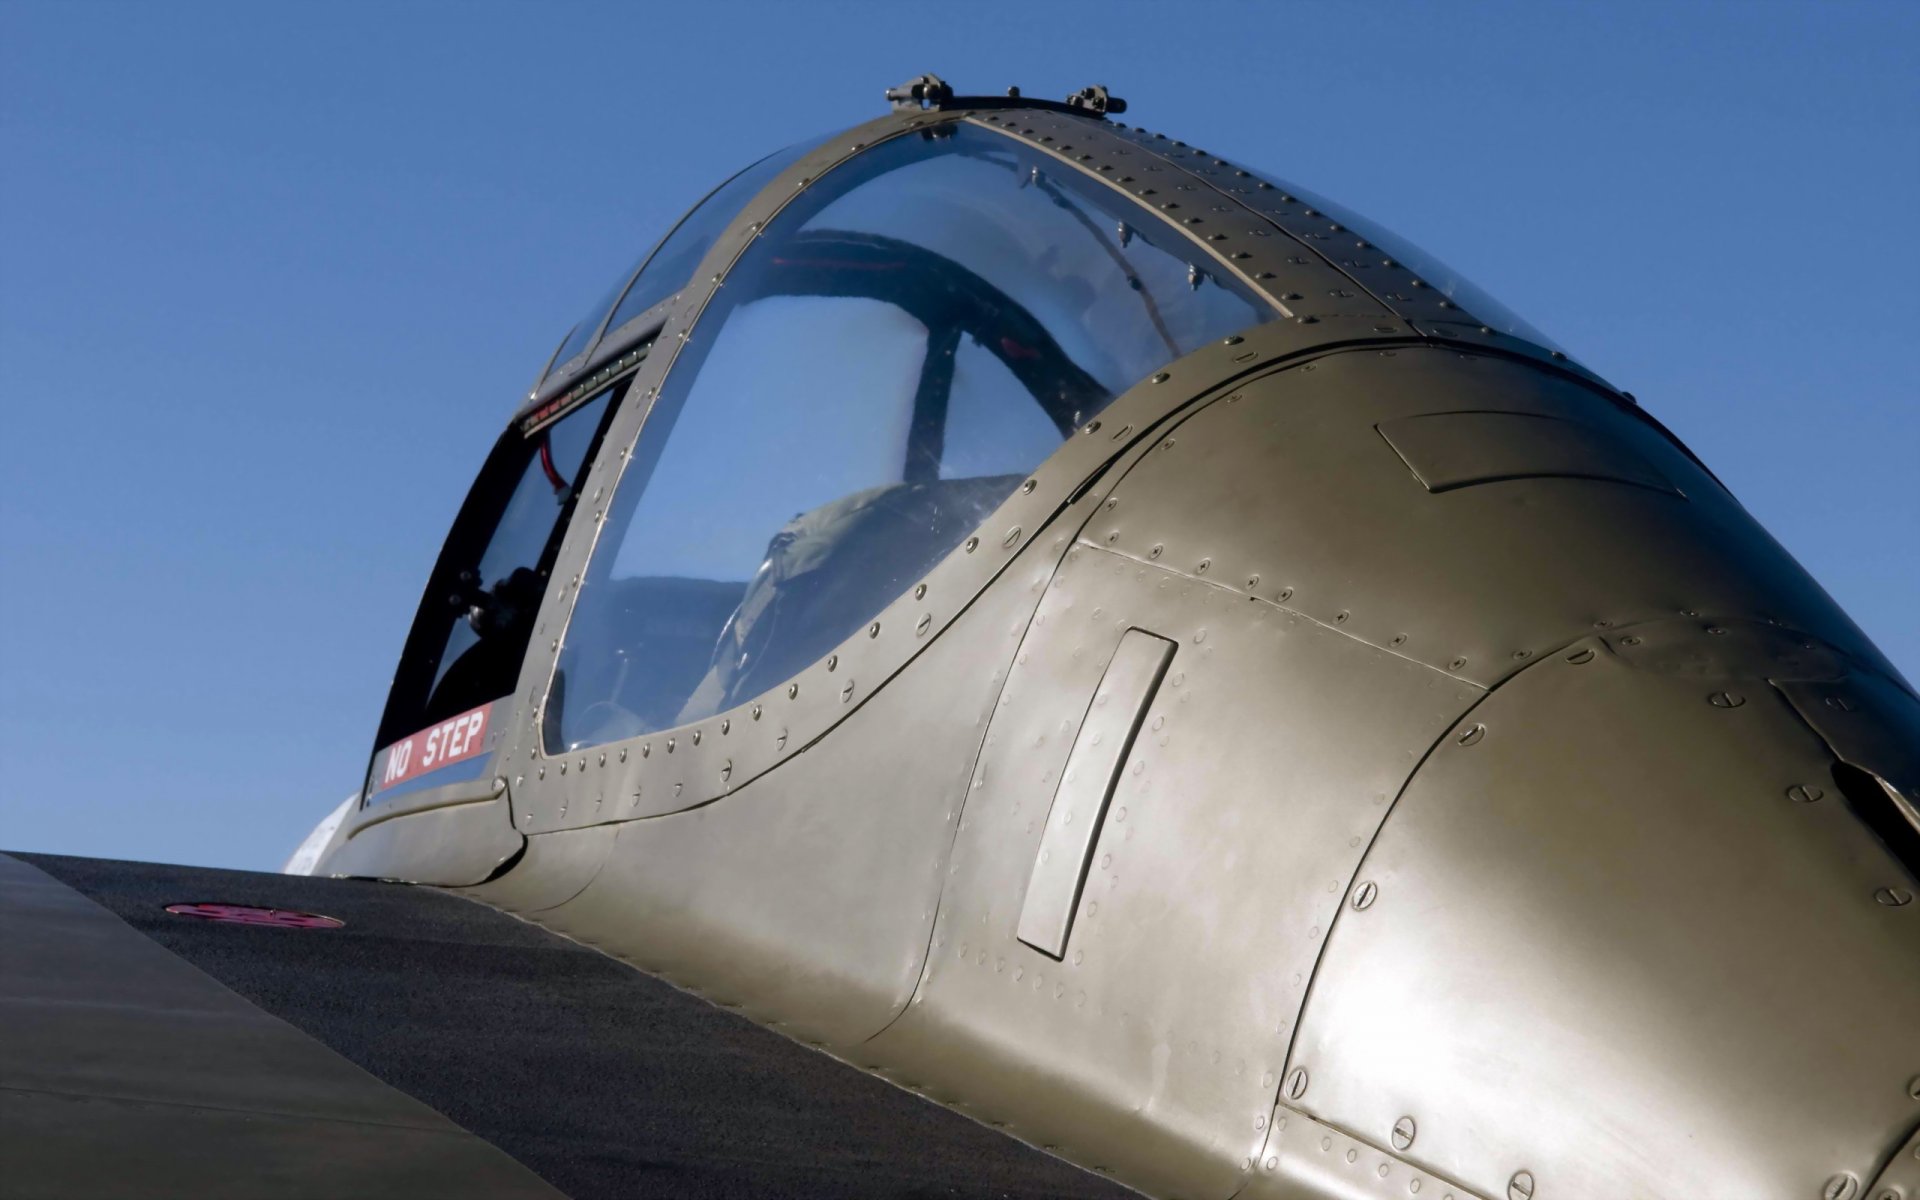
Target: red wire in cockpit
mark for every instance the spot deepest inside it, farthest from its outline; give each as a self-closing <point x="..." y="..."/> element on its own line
<point x="546" y="464"/>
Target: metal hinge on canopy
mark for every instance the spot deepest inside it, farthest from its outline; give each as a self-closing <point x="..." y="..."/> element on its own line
<point x="933" y="92"/>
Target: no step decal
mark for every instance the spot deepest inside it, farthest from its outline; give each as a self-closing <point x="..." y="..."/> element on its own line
<point x="453" y="740"/>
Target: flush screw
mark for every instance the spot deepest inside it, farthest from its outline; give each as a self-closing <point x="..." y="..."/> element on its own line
<point x="1801" y="793"/>
<point x="1520" y="1187"/>
<point x="1726" y="700"/>
<point x="1403" y="1131"/>
<point x="1297" y="1083"/>
<point x="1894" y="897"/>
<point x="1843" y="1186"/>
<point x="1364" y="894"/>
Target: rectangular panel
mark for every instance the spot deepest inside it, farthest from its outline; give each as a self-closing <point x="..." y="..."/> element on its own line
<point x="1456" y="449"/>
<point x="1080" y="802"/>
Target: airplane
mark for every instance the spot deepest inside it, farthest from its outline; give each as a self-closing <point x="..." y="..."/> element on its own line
<point x="1102" y="639"/>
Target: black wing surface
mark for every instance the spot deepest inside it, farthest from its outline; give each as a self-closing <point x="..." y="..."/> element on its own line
<point x="428" y="1046"/>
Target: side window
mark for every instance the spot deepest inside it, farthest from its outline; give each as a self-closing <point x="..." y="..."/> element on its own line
<point x="476" y="619"/>
<point x="880" y="370"/>
<point x="666" y="268"/>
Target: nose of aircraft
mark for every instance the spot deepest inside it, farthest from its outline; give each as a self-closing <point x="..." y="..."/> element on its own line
<point x="1642" y="921"/>
<point x="1629" y="930"/>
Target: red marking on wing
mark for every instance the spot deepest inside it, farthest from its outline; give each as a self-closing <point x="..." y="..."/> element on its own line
<point x="248" y="914"/>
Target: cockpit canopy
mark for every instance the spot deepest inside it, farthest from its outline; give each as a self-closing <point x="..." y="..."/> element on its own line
<point x="614" y="317"/>
<point x="909" y="338"/>
<point x="909" y="335"/>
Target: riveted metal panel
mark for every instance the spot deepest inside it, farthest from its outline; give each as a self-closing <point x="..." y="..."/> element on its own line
<point x="1616" y="884"/>
<point x="1154" y="1050"/>
<point x="1868" y="722"/>
<point x="1307" y="261"/>
<point x="1365" y="267"/>
<point x="461" y="839"/>
<point x="680" y="768"/>
<point x="1477" y="581"/>
<point x="806" y="898"/>
<point x="1086" y="784"/>
<point x="1459" y="449"/>
<point x="1710" y="647"/>
<point x="1305" y="1159"/>
<point x="1300" y="282"/>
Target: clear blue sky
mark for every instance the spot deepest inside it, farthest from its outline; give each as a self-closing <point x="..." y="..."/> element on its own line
<point x="271" y="277"/>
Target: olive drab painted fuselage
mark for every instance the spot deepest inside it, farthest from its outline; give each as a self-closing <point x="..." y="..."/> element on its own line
<point x="1267" y="723"/>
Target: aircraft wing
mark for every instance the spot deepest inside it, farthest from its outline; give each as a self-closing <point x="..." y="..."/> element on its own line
<point x="427" y="1046"/>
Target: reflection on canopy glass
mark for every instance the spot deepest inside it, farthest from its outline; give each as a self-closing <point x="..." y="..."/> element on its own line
<point x="1455" y="286"/>
<point x="909" y="338"/>
<point x="681" y="250"/>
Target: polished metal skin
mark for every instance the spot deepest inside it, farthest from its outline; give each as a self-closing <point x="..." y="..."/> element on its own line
<point x="1372" y="758"/>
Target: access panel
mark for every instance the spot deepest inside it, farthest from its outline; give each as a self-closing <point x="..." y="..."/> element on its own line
<point x="1080" y="803"/>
